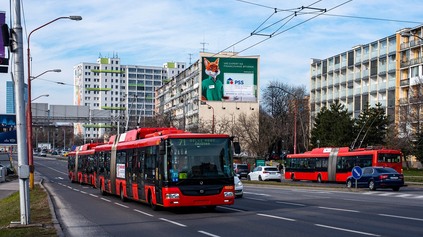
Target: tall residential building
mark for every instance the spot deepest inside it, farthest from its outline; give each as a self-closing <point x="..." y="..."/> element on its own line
<point x="387" y="71"/>
<point x="185" y="99"/>
<point x="7" y="99"/>
<point x="127" y="90"/>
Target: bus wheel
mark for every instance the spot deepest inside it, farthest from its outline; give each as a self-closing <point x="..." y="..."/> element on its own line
<point x="150" y="201"/>
<point x="319" y="178"/>
<point x="349" y="183"/>
<point x="122" y="196"/>
<point x="372" y="186"/>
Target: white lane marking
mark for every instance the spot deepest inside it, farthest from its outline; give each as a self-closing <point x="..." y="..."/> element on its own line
<point x="75" y="189"/>
<point x="387" y="194"/>
<point x="58" y="171"/>
<point x="144" y="213"/>
<point x="353" y="200"/>
<point x="83" y="192"/>
<point x="420" y="196"/>
<point x="107" y="200"/>
<point x="93" y="195"/>
<point x="276" y="217"/>
<point x="403" y="195"/>
<point x="290" y="203"/>
<point x="258" y="194"/>
<point x="346" y="230"/>
<point x="121" y="205"/>
<point x="207" y="233"/>
<point x="173" y="222"/>
<point x="402" y="217"/>
<point x="256" y="199"/>
<point x="230" y="208"/>
<point x="337" y="209"/>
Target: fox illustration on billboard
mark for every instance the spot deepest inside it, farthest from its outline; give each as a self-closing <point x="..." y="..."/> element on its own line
<point x="212" y="87"/>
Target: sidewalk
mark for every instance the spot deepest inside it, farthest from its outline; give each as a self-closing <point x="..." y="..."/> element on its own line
<point x="9" y="187"/>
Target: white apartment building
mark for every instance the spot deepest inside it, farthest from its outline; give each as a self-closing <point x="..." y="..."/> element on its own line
<point x="128" y="91"/>
<point x="387" y="71"/>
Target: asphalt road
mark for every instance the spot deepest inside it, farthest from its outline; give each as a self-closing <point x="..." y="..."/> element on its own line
<point x="265" y="210"/>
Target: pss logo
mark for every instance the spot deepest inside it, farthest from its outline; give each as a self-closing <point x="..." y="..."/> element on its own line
<point x="231" y="81"/>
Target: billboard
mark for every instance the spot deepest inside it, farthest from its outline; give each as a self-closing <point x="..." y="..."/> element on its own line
<point x="2" y="21"/>
<point x="8" y="129"/>
<point x="229" y="79"/>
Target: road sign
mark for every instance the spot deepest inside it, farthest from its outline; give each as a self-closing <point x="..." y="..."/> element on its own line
<point x="357" y="172"/>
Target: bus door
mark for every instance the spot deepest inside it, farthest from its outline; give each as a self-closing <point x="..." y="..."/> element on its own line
<point x="151" y="175"/>
<point x="332" y="164"/>
<point x="140" y="173"/>
<point x="131" y="159"/>
<point x="113" y="169"/>
<point x="159" y="175"/>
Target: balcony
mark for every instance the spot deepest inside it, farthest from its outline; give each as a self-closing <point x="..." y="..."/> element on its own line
<point x="405" y="82"/>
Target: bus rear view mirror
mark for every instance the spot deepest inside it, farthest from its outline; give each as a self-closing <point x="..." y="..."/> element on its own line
<point x="237" y="148"/>
<point x="162" y="148"/>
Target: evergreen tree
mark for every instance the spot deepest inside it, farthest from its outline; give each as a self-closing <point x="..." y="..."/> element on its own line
<point x="371" y="127"/>
<point x="333" y="127"/>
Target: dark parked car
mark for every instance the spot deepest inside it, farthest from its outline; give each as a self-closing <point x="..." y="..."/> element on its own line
<point x="378" y="177"/>
<point x="241" y="170"/>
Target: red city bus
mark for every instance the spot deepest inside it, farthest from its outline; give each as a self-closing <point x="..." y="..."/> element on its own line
<point x="165" y="167"/>
<point x="81" y="164"/>
<point x="335" y="164"/>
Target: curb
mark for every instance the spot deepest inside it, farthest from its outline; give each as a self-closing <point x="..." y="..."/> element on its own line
<point x="55" y="221"/>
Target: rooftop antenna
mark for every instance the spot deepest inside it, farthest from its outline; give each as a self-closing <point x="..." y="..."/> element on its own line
<point x="190" y="57"/>
<point x="204" y="46"/>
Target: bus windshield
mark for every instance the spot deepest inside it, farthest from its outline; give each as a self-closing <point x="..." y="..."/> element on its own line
<point x="199" y="158"/>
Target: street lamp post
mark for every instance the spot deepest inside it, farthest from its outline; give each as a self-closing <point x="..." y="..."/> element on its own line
<point x="45" y="95"/>
<point x="295" y="114"/>
<point x="210" y="107"/>
<point x="28" y="109"/>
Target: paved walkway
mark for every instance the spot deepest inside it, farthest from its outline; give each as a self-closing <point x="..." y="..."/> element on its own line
<point x="9" y="187"/>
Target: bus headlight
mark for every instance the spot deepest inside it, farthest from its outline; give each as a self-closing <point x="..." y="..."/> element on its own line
<point x="172" y="196"/>
<point x="228" y="194"/>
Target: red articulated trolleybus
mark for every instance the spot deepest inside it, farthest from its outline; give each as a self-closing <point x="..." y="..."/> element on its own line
<point x="82" y="167"/>
<point x="335" y="164"/>
<point x="166" y="167"/>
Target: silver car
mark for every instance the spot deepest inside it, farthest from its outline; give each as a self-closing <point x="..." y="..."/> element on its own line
<point x="239" y="187"/>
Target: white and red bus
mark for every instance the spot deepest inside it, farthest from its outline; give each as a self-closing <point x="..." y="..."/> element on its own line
<point x="166" y="167"/>
<point x="335" y="164"/>
<point x="82" y="167"/>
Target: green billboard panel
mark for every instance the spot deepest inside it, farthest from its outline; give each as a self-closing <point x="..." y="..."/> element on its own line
<point x="229" y="79"/>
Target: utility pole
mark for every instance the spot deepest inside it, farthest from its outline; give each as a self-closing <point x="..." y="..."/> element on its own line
<point x="21" y="123"/>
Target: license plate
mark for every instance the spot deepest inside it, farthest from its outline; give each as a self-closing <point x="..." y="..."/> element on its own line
<point x="394" y="177"/>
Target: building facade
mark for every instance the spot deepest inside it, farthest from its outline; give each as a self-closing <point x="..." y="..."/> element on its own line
<point x="7" y="99"/>
<point x="387" y="71"/>
<point x="128" y="91"/>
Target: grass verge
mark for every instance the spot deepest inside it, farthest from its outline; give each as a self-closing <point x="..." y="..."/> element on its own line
<point x="40" y="217"/>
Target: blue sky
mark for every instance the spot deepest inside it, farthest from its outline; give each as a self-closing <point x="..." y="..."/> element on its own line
<point x="143" y="32"/>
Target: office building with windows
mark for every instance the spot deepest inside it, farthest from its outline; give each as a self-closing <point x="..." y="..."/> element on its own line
<point x="7" y="99"/>
<point x="387" y="71"/>
<point x="128" y="91"/>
